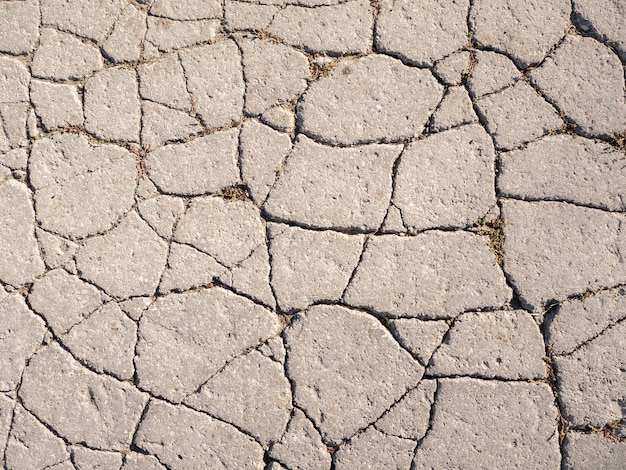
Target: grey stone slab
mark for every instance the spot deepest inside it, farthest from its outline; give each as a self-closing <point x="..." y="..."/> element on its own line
<point x="229" y="231"/>
<point x="112" y="105"/>
<point x="252" y="393"/>
<point x="186" y="338"/>
<point x="470" y="413"/>
<point x="161" y="125"/>
<point x="373" y="449"/>
<point x="454" y="110"/>
<point x="137" y="461"/>
<point x="90" y="20"/>
<point x="135" y="307"/>
<point x="262" y="151"/>
<point x="591" y="380"/>
<point x="452" y="69"/>
<point x="80" y="189"/>
<point x="565" y="168"/>
<point x="301" y="446"/>
<point x="163" y="81"/>
<point x="57" y="105"/>
<point x="215" y="80"/>
<point x="491" y="73"/>
<point x="410" y="416"/>
<point x="330" y="187"/>
<point x="125" y="262"/>
<point x="86" y="459"/>
<point x="374" y="115"/>
<point x="7" y="405"/>
<point x="576" y="321"/>
<point x="195" y="440"/>
<point x="20" y="261"/>
<point x="603" y="19"/>
<point x="524" y="29"/>
<point x="31" y="446"/>
<point x="252" y="277"/>
<point x="16" y="159"/>
<point x="573" y="249"/>
<point x="13" y="80"/>
<point x="124" y="44"/>
<point x="504" y="345"/>
<point x="446" y="179"/>
<point x="62" y="56"/>
<point x="420" y="337"/>
<point x="585" y="79"/>
<point x="517" y="115"/>
<point x="188" y="268"/>
<point x="423" y="32"/>
<point x="348" y="368"/>
<point x="63" y="299"/>
<point x="280" y="118"/>
<point x="433" y="275"/>
<point x="21" y="332"/>
<point x="337" y="29"/>
<point x="170" y="35"/>
<point x="393" y="221"/>
<point x="14" y="117"/>
<point x="161" y="212"/>
<point x="274" y="349"/>
<point x="105" y="341"/>
<point x="19" y="26"/>
<point x="183" y="10"/>
<point x="251" y="16"/>
<point x="80" y="405"/>
<point x="588" y="451"/>
<point x="203" y="165"/>
<point x="309" y="265"/>
<point x="274" y="73"/>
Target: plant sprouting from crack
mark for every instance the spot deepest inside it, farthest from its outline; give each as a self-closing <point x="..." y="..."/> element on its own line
<point x="493" y="228"/>
<point x="321" y="69"/>
<point x="236" y="192"/>
<point x="618" y="141"/>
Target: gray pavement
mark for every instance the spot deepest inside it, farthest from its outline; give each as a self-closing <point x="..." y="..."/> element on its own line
<point x="312" y="234"/>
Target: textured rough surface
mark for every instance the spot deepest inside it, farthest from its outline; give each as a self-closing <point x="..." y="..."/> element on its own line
<point x="350" y="189"/>
<point x="433" y="275"/>
<point x="591" y="95"/>
<point x="374" y="114"/>
<point x="342" y="392"/>
<point x="312" y="234"/>
<point x="573" y="249"/>
<point x="566" y="168"/>
<point x="469" y="414"/>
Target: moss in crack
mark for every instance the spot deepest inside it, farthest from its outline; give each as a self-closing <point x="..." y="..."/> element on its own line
<point x="319" y="68"/>
<point x="236" y="192"/>
<point x="618" y="141"/>
<point x="493" y="228"/>
<point x="608" y="431"/>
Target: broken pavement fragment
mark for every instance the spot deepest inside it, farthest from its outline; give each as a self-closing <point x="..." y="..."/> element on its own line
<point x="470" y="413"/>
<point x="112" y="105"/>
<point x="503" y="345"/>
<point x="591" y="381"/>
<point x="20" y="261"/>
<point x="215" y="80"/>
<point x="80" y="405"/>
<point x="432" y="275"/>
<point x="603" y="19"/>
<point x="590" y="450"/>
<point x="186" y="338"/>
<point x="252" y="393"/>
<point x="446" y="179"/>
<point x="21" y="332"/>
<point x="125" y="42"/>
<point x="194" y="440"/>
<point x="375" y="113"/>
<point x="334" y="188"/>
<point x="310" y="265"/>
<point x="81" y="188"/>
<point x="57" y="105"/>
<point x="19" y="28"/>
<point x="565" y="168"/>
<point x="585" y="80"/>
<point x="524" y="29"/>
<point x="347" y="368"/>
<point x="125" y="262"/>
<point x="203" y="165"/>
<point x="378" y="449"/>
<point x="229" y="231"/>
<point x="421" y="32"/>
<point x="92" y="20"/>
<point x="555" y="249"/>
<point x="169" y="35"/>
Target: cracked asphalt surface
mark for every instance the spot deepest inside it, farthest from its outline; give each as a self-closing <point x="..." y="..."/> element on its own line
<point x="312" y="234"/>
